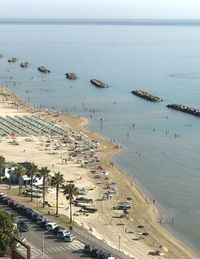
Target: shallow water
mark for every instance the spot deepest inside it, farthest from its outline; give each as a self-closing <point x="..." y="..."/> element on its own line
<point x="162" y="150"/>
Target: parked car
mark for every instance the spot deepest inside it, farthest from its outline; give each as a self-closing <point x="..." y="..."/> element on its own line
<point x="5" y="200"/>
<point x="44" y="223"/>
<point x="22" y="226"/>
<point x="88" y="249"/>
<point x="23" y="211"/>
<point x="69" y="238"/>
<point x="62" y="233"/>
<point x="12" y="203"/>
<point x="34" y="216"/>
<point x="20" y="207"/>
<point x="95" y="253"/>
<point x="104" y="255"/>
<point x="55" y="230"/>
<point x="29" y="212"/>
<point x="51" y="225"/>
<point x="2" y="195"/>
<point x="40" y="218"/>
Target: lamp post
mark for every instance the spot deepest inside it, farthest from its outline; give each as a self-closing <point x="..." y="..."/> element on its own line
<point x="43" y="242"/>
<point x="119" y="241"/>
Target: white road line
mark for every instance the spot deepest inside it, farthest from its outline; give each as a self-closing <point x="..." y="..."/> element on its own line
<point x="74" y="246"/>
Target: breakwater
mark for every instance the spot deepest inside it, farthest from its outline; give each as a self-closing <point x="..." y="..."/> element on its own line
<point x="98" y="83"/>
<point x="147" y="96"/>
<point x="186" y="109"/>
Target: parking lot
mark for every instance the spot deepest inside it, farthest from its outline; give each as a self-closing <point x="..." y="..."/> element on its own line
<point x="45" y="244"/>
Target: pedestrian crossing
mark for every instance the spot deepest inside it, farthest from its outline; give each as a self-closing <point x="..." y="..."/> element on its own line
<point x="36" y="253"/>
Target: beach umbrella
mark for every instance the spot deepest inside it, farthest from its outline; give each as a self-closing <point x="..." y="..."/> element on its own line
<point x="165" y="249"/>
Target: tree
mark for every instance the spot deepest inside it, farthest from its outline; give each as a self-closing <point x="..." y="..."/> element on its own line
<point x="70" y="190"/>
<point x="6" y="230"/>
<point x="32" y="171"/>
<point x="20" y="171"/>
<point x="44" y="172"/>
<point x="57" y="181"/>
<point x="2" y="163"/>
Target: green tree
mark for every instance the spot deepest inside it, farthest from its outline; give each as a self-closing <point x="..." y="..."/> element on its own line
<point x="31" y="172"/>
<point x="2" y="163"/>
<point x="57" y="181"/>
<point x="20" y="171"/>
<point x="44" y="172"/>
<point x="6" y="230"/>
<point x="70" y="190"/>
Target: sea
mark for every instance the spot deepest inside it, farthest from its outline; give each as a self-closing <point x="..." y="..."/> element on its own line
<point x="161" y="146"/>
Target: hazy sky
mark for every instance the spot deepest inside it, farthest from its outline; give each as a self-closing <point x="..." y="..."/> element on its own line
<point x="107" y="9"/>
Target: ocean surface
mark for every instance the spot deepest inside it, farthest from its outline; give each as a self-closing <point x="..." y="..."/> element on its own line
<point x="162" y="146"/>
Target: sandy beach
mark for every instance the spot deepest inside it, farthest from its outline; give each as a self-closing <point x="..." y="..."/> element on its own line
<point x="106" y="224"/>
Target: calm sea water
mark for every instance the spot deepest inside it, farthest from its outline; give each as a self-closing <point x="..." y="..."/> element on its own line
<point x="164" y="60"/>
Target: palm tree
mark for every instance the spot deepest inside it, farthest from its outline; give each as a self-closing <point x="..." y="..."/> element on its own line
<point x="6" y="230"/>
<point x="2" y="163"/>
<point x="20" y="171"/>
<point x="44" y="172"/>
<point x="57" y="181"/>
<point x="32" y="170"/>
<point x="70" y="190"/>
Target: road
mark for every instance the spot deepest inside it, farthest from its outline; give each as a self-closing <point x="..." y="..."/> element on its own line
<point x="44" y="244"/>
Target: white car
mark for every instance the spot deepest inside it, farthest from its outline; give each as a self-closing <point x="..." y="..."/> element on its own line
<point x="51" y="225"/>
<point x="69" y="238"/>
<point x="62" y="233"/>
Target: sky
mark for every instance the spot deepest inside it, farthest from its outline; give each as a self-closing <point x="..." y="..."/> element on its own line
<point x="100" y="9"/>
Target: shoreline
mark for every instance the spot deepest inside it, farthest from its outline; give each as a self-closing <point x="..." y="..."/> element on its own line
<point x="144" y="212"/>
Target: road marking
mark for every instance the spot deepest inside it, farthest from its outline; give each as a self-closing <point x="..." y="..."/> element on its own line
<point x="75" y="246"/>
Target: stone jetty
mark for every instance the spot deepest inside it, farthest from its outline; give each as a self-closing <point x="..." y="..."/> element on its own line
<point x="43" y="69"/>
<point x="146" y="96"/>
<point x="98" y="83"/>
<point x="71" y="76"/>
<point x="12" y="60"/>
<point x="186" y="109"/>
<point x="25" y="64"/>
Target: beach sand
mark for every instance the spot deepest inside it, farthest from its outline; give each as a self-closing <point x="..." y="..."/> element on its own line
<point x="106" y="224"/>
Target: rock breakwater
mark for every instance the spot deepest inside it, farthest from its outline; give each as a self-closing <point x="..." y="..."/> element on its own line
<point x="147" y="96"/>
<point x="186" y="109"/>
<point x="98" y="83"/>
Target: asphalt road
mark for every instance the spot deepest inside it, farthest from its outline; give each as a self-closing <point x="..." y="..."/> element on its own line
<point x="44" y="244"/>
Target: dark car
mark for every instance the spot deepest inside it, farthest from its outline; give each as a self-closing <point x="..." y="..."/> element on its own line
<point x="44" y="223"/>
<point x="88" y="249"/>
<point x="22" y="226"/>
<point x="56" y="229"/>
<point x="95" y="253"/>
<point x="29" y="212"/>
<point x="23" y="211"/>
<point x="34" y="216"/>
<point x="104" y="255"/>
<point x="20" y="208"/>
<point x="2" y="195"/>
<point x="6" y="200"/>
